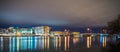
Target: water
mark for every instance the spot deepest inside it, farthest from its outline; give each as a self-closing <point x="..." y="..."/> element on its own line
<point x="54" y="44"/>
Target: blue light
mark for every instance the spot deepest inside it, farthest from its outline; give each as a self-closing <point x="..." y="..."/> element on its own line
<point x="24" y="43"/>
<point x="103" y="34"/>
<point x="101" y="39"/>
<point x="54" y="42"/>
<point x="118" y="36"/>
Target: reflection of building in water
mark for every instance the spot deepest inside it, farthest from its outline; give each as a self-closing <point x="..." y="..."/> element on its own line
<point x="1" y="44"/>
<point x="26" y="43"/>
<point x="57" y="42"/>
<point x="39" y="42"/>
<point x="22" y="43"/>
<point x="43" y="30"/>
<point x="103" y="41"/>
<point x="45" y="43"/>
<point x="18" y="43"/>
<point x="75" y="40"/>
<point x="5" y="44"/>
<point x="89" y="42"/>
<point x="66" y="44"/>
<point x="114" y="38"/>
<point x="31" y="43"/>
<point x="14" y="44"/>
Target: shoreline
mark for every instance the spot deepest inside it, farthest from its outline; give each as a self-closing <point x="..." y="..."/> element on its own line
<point x="31" y="35"/>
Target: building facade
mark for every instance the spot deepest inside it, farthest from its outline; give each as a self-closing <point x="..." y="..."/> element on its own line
<point x="24" y="30"/>
<point x="57" y="33"/>
<point x="42" y="30"/>
<point x="76" y="33"/>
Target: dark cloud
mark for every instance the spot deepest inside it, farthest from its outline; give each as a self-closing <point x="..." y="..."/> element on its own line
<point x="75" y="13"/>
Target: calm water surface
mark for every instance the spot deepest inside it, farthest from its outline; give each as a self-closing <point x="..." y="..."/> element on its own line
<point x="54" y="44"/>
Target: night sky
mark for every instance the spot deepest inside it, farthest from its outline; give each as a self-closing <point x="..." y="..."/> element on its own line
<point x="70" y="13"/>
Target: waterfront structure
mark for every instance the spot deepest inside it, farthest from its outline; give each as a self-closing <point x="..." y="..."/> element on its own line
<point x="17" y="33"/>
<point x="57" y="33"/>
<point x="75" y="33"/>
<point x="66" y="32"/>
<point x="23" y="30"/>
<point x="5" y="31"/>
<point x="0" y="30"/>
<point x="10" y="29"/>
<point x="42" y="30"/>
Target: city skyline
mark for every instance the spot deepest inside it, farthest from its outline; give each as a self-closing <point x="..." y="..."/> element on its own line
<point x="53" y="28"/>
<point x="77" y="13"/>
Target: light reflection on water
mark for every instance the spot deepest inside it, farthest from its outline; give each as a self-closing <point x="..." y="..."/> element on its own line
<point x="88" y="42"/>
<point x="46" y="44"/>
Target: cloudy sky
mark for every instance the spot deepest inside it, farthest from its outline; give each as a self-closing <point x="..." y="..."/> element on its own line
<point x="76" y="13"/>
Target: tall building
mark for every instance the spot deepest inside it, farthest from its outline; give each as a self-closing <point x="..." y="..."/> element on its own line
<point x="42" y="30"/>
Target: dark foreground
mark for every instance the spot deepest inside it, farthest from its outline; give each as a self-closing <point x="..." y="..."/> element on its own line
<point x="59" y="44"/>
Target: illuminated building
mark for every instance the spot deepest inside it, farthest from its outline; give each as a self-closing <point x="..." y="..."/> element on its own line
<point x="38" y="30"/>
<point x="75" y="40"/>
<point x="5" y="31"/>
<point x="47" y="30"/>
<point x="57" y="33"/>
<point x="75" y="33"/>
<point x="17" y="33"/>
<point x="23" y="30"/>
<point x="66" y="32"/>
<point x="10" y="29"/>
<point x="43" y="30"/>
<point x="1" y="31"/>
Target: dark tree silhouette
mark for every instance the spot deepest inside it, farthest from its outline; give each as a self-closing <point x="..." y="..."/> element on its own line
<point x="114" y="26"/>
